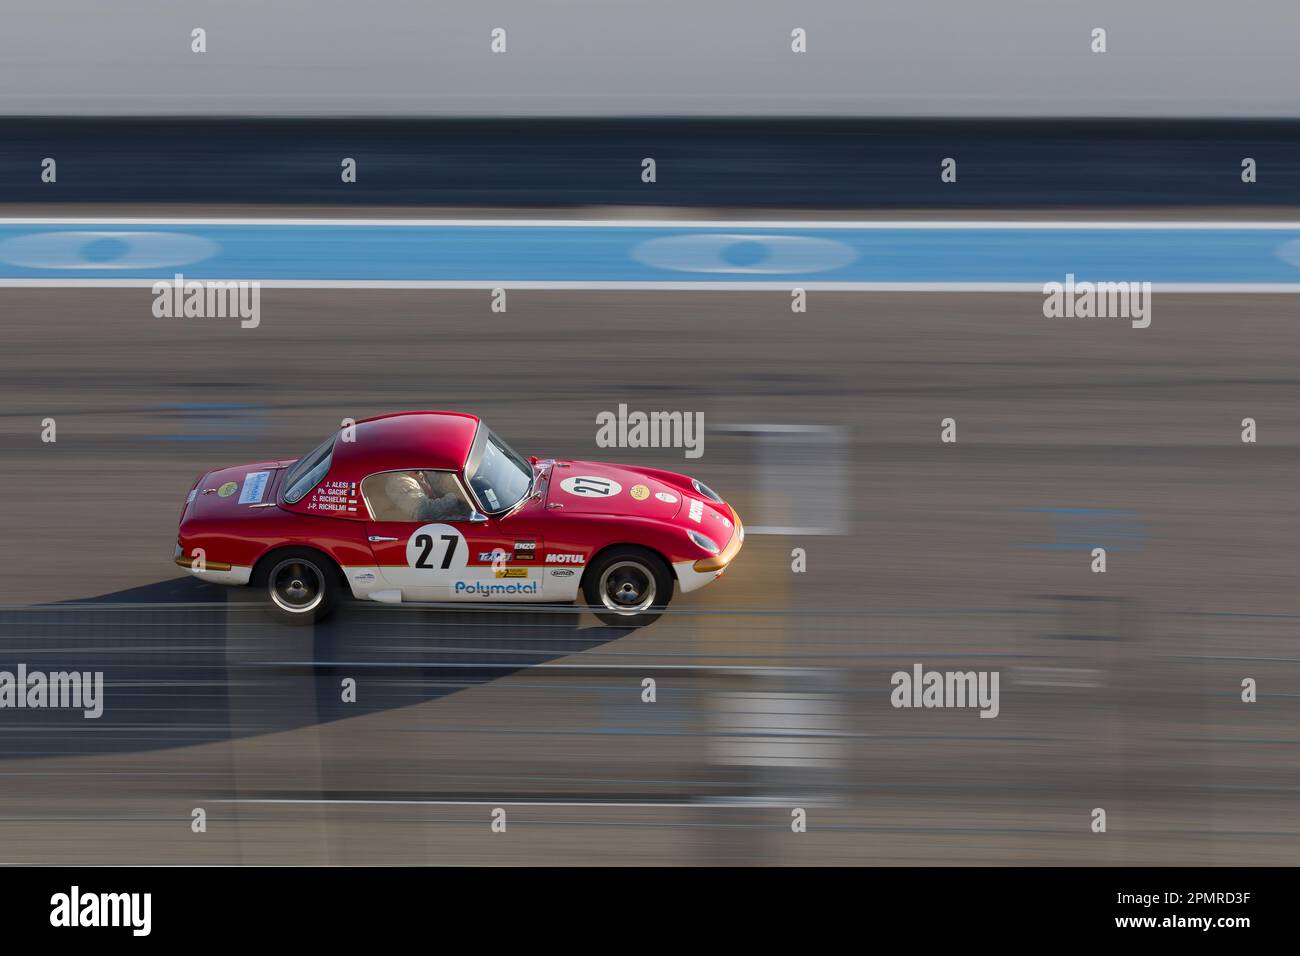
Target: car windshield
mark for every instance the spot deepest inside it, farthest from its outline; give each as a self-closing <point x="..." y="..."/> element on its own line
<point x="502" y="476"/>
<point x="307" y="472"/>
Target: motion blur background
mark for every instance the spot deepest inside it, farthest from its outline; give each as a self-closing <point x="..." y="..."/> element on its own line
<point x="1118" y="690"/>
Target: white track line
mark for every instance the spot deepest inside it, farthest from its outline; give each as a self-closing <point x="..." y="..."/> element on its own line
<point x="964" y="224"/>
<point x="603" y="804"/>
<point x="1215" y="288"/>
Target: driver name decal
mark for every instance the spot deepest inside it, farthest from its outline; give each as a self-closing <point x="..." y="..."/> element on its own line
<point x="334" y="496"/>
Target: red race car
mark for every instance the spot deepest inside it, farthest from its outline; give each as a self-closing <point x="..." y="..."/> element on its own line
<point x="433" y="506"/>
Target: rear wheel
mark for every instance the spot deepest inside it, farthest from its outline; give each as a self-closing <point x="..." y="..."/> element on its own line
<point x="301" y="585"/>
<point x="627" y="586"/>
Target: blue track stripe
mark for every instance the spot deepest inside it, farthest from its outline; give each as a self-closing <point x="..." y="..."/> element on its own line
<point x="660" y="253"/>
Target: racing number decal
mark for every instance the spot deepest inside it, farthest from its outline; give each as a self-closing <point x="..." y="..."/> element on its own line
<point x="436" y="548"/>
<point x="586" y="486"/>
<point x="425" y="542"/>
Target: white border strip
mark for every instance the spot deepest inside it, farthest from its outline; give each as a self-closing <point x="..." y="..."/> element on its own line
<point x="964" y="224"/>
<point x="1218" y="288"/>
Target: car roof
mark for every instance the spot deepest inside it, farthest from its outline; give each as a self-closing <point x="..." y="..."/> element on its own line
<point x="435" y="440"/>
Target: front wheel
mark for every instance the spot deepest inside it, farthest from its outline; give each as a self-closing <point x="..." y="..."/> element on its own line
<point x="301" y="586"/>
<point x="627" y="587"/>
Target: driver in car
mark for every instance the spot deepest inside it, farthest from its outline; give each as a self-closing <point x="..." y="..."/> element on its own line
<point x="410" y="499"/>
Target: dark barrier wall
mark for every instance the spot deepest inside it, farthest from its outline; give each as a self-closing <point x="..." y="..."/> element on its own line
<point x="818" y="164"/>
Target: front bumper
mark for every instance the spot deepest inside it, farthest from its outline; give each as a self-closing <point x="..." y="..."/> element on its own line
<point x="717" y="563"/>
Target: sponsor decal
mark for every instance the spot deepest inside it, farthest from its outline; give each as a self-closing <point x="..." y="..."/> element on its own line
<point x="565" y="558"/>
<point x="562" y="572"/>
<point x="640" y="492"/>
<point x="665" y="496"/>
<point x="492" y="500"/>
<point x="365" y="577"/>
<point x="511" y="572"/>
<point x="587" y="486"/>
<point x="697" y="511"/>
<point x="254" y="487"/>
<point x="228" y="489"/>
<point x="525" y="550"/>
<point x="487" y="590"/>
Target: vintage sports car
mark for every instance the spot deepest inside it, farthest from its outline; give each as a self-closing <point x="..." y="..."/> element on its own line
<point x="434" y="507"/>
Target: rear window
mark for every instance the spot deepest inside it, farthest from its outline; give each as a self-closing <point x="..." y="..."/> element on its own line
<point x="308" y="470"/>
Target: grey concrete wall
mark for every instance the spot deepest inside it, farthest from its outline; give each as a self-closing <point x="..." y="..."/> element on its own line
<point x="673" y="57"/>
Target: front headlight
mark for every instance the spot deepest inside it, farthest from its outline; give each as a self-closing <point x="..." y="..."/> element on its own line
<point x="704" y="541"/>
<point x="705" y="490"/>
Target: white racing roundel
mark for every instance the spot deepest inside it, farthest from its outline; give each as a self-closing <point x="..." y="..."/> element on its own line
<point x="586" y="486"/>
<point x="437" y="547"/>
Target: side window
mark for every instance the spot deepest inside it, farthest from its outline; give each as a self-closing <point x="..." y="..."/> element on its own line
<point x="415" y="496"/>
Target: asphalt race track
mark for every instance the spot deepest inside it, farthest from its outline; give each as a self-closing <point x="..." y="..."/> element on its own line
<point x="1119" y="690"/>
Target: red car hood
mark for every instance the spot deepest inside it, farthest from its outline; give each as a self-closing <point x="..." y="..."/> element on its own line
<point x="229" y="491"/>
<point x="595" y="487"/>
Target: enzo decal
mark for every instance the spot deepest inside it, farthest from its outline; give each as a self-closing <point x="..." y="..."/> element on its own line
<point x="585" y="486"/>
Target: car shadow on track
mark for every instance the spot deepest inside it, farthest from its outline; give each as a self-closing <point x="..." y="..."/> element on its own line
<point x="184" y="662"/>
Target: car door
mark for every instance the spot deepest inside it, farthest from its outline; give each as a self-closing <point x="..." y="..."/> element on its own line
<point x="460" y="557"/>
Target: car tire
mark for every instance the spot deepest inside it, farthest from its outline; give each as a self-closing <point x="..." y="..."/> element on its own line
<point x="301" y="586"/>
<point x="627" y="586"/>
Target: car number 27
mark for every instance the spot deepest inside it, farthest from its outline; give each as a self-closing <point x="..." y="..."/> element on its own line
<point x="437" y="547"/>
<point x="424" y="544"/>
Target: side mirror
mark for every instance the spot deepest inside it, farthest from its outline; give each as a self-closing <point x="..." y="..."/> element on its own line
<point x="477" y="517"/>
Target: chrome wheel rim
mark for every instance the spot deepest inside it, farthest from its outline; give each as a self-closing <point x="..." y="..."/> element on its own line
<point x="297" y="586"/>
<point x="627" y="587"/>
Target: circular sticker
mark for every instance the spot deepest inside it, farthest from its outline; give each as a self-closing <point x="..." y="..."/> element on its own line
<point x="437" y="547"/>
<point x="228" y="489"/>
<point x="640" y="492"/>
<point x="586" y="486"/>
<point x="665" y="496"/>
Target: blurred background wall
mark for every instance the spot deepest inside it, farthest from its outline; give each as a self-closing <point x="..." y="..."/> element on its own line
<point x="1002" y="58"/>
